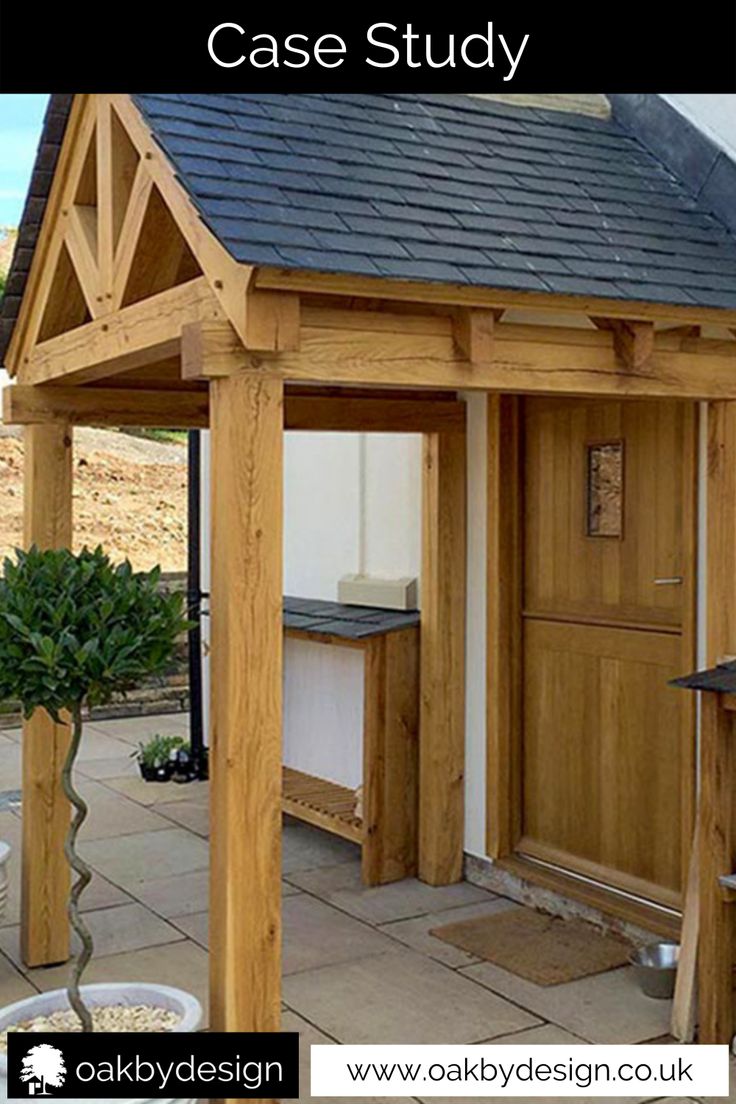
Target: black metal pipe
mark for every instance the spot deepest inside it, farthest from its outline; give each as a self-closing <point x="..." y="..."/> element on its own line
<point x="194" y="605"/>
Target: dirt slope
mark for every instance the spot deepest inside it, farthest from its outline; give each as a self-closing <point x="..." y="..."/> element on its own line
<point x="7" y="245"/>
<point x="130" y="495"/>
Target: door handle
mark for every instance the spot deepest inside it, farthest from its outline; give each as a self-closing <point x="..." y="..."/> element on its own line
<point x="671" y="580"/>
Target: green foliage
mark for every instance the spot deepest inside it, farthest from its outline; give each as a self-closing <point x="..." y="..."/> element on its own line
<point x="76" y="629"/>
<point x="157" y="751"/>
<point x="3" y="278"/>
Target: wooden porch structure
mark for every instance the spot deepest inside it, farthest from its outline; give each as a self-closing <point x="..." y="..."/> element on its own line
<point x="135" y="314"/>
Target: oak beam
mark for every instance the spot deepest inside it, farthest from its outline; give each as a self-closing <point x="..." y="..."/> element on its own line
<point x="384" y="350"/>
<point x="245" y="739"/>
<point x="342" y="414"/>
<point x="442" y="709"/>
<point x="119" y="406"/>
<point x="504" y="600"/>
<point x="140" y="334"/>
<point x="45" y="876"/>
<point x="109" y="406"/>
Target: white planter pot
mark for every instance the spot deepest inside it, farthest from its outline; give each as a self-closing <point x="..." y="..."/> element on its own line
<point x="160" y="996"/>
<point x="4" y="856"/>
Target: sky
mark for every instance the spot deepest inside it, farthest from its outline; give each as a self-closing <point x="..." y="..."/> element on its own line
<point x="20" y="128"/>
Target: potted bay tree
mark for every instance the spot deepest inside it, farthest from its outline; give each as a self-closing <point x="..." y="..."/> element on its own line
<point x="74" y="631"/>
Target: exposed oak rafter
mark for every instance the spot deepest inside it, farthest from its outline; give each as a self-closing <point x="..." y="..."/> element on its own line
<point x="632" y="341"/>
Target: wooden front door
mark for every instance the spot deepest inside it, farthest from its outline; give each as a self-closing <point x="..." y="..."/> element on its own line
<point x="607" y="747"/>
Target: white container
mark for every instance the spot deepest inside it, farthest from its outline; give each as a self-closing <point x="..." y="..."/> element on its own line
<point x="4" y="856"/>
<point x="129" y="993"/>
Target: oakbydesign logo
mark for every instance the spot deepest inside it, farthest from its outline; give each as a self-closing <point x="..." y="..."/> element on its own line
<point x="43" y="1066"/>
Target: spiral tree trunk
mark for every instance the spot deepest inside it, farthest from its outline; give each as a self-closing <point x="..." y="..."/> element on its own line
<point x="79" y="962"/>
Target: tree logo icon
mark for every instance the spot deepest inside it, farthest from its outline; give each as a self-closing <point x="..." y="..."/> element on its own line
<point x="43" y="1066"/>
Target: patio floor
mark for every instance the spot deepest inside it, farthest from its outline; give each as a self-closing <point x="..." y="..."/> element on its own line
<point x="359" y="964"/>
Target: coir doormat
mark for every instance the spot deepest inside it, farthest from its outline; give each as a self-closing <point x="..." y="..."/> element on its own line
<point x="544" y="949"/>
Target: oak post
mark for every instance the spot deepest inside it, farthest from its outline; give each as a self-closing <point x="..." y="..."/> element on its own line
<point x="390" y="758"/>
<point x="442" y="666"/>
<point x="245" y="738"/>
<point x="45" y="876"/>
<point x="717" y="754"/>
<point x="716" y="855"/>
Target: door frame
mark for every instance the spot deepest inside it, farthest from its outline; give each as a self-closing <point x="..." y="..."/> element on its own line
<point x="504" y="704"/>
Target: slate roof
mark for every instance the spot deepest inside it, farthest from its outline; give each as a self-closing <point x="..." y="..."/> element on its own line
<point x="720" y="679"/>
<point x="47" y="154"/>
<point x="452" y="189"/>
<point x="314" y="615"/>
<point x="444" y="188"/>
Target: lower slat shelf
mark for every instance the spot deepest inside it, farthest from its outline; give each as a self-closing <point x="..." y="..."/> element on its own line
<point x="322" y="803"/>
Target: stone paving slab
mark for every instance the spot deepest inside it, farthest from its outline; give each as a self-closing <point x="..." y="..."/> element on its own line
<point x="360" y="963"/>
<point x="111" y="816"/>
<point x="134" y="730"/>
<point x="193" y="814"/>
<point x="314" y="935"/>
<point x="13" y="985"/>
<point x="115" y="766"/>
<point x="342" y="886"/>
<point x="605" y="1008"/>
<point x="128" y="860"/>
<point x="115" y="930"/>
<point x="100" y="745"/>
<point x="415" y="933"/>
<point x="153" y="793"/>
<point x="183" y="965"/>
<point x="401" y="997"/>
<point x="307" y="848"/>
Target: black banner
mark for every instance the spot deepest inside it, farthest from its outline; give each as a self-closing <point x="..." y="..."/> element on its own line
<point x="229" y="46"/>
<point x="158" y="1065"/>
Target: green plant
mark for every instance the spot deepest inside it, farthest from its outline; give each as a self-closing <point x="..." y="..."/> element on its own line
<point x="74" y="630"/>
<point x="157" y="750"/>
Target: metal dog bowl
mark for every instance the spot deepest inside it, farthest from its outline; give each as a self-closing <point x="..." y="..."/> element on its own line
<point x="655" y="967"/>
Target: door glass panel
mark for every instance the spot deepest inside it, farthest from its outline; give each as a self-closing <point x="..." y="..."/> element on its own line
<point x="605" y="489"/>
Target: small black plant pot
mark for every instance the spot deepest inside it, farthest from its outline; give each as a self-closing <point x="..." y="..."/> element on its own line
<point x="161" y="773"/>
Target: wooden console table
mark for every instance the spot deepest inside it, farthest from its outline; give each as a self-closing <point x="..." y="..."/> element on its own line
<point x="387" y="829"/>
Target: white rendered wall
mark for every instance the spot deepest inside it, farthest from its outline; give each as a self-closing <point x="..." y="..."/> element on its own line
<point x="713" y="113"/>
<point x="323" y="710"/>
<point x="352" y="503"/>
<point x="475" y="639"/>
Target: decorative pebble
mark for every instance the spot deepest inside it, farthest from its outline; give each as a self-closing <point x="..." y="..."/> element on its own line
<point x="105" y="1017"/>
